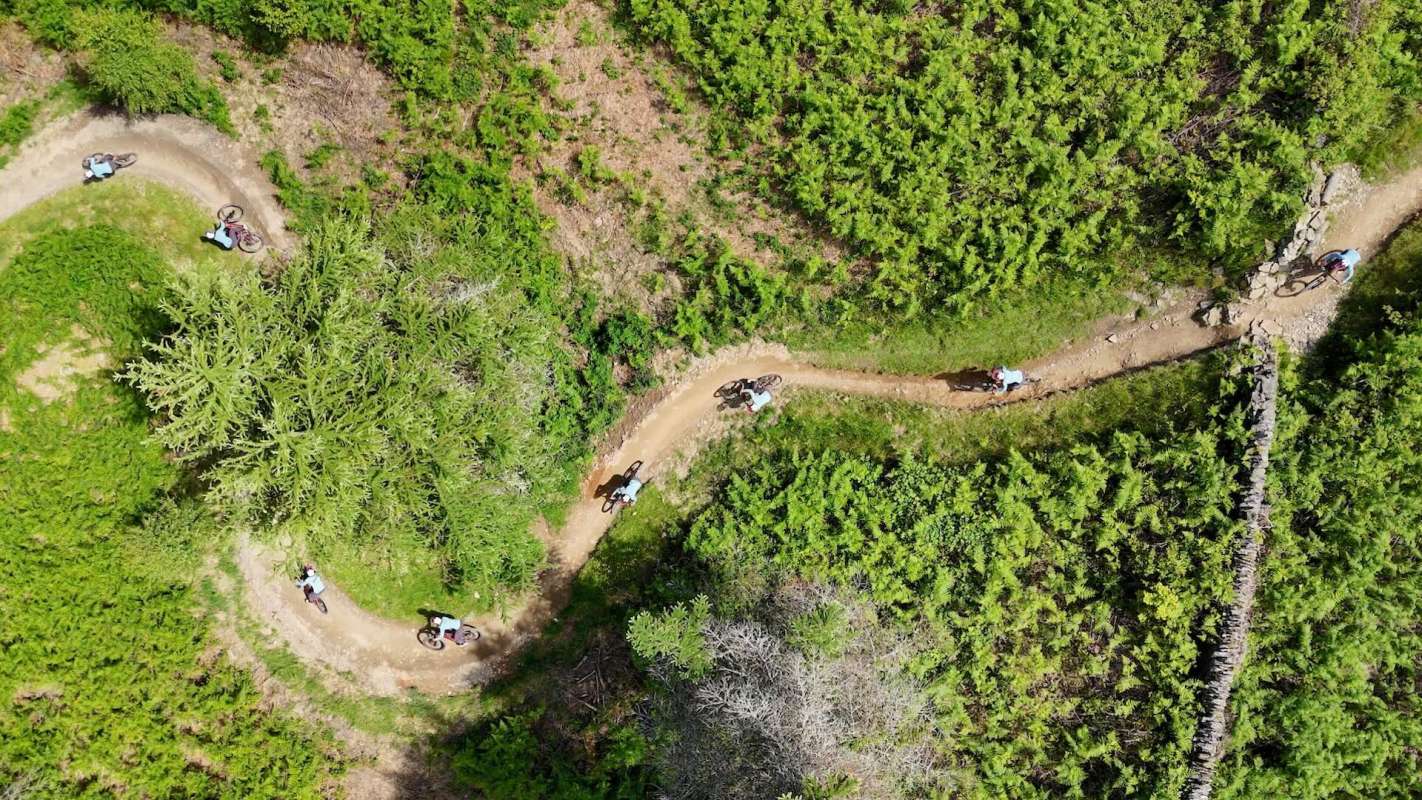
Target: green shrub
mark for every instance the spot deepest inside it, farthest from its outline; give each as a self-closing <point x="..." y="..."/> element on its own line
<point x="509" y="760"/>
<point x="438" y="420"/>
<point x="674" y="636"/>
<point x="1069" y="595"/>
<point x="1327" y="703"/>
<point x="109" y="677"/>
<point x="17" y="122"/>
<point x="1009" y="142"/>
<point x="230" y="71"/>
<point x="49" y="21"/>
<point x="127" y="58"/>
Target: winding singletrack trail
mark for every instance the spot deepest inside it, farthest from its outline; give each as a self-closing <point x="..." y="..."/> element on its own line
<point x="381" y="656"/>
<point x="178" y="152"/>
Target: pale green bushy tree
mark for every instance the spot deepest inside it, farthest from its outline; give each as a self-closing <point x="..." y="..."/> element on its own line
<point x="359" y="396"/>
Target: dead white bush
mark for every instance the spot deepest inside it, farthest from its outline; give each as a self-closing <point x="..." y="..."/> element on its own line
<point x="767" y="717"/>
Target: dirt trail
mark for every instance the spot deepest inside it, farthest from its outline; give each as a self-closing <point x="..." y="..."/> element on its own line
<point x="381" y="656"/>
<point x="178" y="152"/>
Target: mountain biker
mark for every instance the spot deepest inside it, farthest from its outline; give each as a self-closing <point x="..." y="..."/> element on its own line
<point x="1343" y="263"/>
<point x="1005" y="380"/>
<point x="220" y="235"/>
<point x="626" y="494"/>
<point x="755" y="400"/>
<point x="99" y="168"/>
<point x="310" y="584"/>
<point x="449" y="625"/>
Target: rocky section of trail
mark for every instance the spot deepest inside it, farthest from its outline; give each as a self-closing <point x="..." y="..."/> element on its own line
<point x="178" y="152"/>
<point x="1342" y="211"/>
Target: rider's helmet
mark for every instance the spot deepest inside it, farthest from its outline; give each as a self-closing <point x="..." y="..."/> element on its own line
<point x="308" y="570"/>
<point x="995" y="373"/>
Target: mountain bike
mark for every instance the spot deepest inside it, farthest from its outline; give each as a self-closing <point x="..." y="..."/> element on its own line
<point x="94" y="164"/>
<point x="314" y="599"/>
<point x="730" y="393"/>
<point x="1312" y="276"/>
<point x="625" y="478"/>
<point x="311" y="596"/>
<point x="230" y="233"/>
<point x="430" y="638"/>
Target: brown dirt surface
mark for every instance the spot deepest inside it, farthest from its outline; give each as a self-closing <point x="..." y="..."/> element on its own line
<point x="617" y="107"/>
<point x="381" y="656"/>
<point x="26" y="69"/>
<point x="326" y="94"/>
<point x="383" y="767"/>
<point x="179" y="152"/>
<point x="62" y="365"/>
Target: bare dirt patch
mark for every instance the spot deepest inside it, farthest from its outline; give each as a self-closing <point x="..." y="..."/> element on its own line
<point x="615" y="104"/>
<point x="62" y="365"/>
<point x="310" y="96"/>
<point x="26" y="69"/>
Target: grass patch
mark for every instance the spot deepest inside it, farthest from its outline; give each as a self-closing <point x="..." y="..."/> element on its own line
<point x="395" y="578"/>
<point x="132" y="693"/>
<point x="1151" y="401"/>
<point x="166" y="221"/>
<point x="1006" y="331"/>
<point x="1396" y="149"/>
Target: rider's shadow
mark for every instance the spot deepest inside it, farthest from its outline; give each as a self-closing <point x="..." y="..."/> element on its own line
<point x="730" y="398"/>
<point x="612" y="484"/>
<point x="965" y="378"/>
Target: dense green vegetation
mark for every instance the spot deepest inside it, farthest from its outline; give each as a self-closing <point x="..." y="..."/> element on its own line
<point x="1327" y="703"/>
<point x="1068" y="594"/>
<point x="972" y="147"/>
<point x="372" y="395"/>
<point x="1023" y="596"/>
<point x="111" y="684"/>
<point x="125" y="58"/>
<point x="16" y="124"/>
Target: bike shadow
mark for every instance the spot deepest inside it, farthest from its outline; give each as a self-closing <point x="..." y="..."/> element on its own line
<point x="617" y="481"/>
<point x="965" y="379"/>
<point x="612" y="484"/>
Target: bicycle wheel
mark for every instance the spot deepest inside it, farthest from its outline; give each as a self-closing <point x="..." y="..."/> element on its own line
<point x="765" y="382"/>
<point x="430" y="638"/>
<point x="125" y="160"/>
<point x="249" y="242"/>
<point x="470" y="633"/>
<point x="732" y="389"/>
<point x="230" y="212"/>
<point x="632" y="470"/>
<point x="320" y="605"/>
